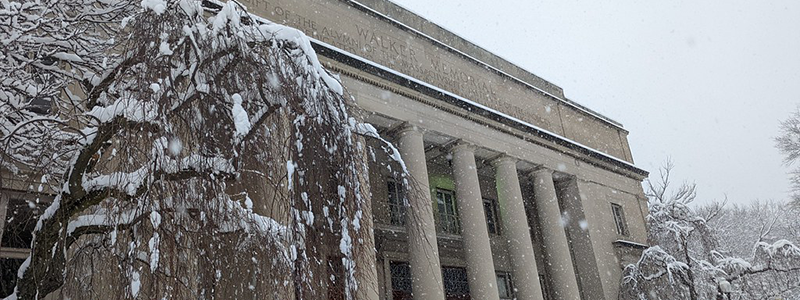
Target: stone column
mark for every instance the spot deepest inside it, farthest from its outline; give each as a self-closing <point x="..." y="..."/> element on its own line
<point x="516" y="230"/>
<point x="426" y="273"/>
<point x="477" y="249"/>
<point x="556" y="247"/>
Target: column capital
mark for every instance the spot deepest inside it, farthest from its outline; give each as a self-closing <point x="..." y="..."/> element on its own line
<point x="503" y="159"/>
<point x="461" y="145"/>
<point x="540" y="169"/>
<point x="405" y="126"/>
<point x="404" y="129"/>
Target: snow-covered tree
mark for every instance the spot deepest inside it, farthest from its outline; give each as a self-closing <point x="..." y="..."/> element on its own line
<point x="686" y="260"/>
<point x="193" y="152"/>
<point x="788" y="142"/>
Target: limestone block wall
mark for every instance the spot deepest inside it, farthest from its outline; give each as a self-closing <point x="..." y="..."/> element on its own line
<point x="441" y="64"/>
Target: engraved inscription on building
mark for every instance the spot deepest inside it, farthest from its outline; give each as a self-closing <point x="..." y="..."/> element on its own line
<point x="356" y="31"/>
<point x="402" y="54"/>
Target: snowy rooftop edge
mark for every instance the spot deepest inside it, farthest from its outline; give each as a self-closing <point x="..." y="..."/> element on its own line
<point x="402" y="25"/>
<point x="626" y="164"/>
<point x="477" y="105"/>
<point x="564" y="100"/>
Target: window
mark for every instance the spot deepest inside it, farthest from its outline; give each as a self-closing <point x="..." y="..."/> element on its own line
<point x="448" y="212"/>
<point x="42" y="104"/>
<point x="619" y="219"/>
<point x="492" y="220"/>
<point x="8" y="275"/>
<point x="504" y="287"/>
<point x="20" y="219"/>
<point x="401" y="280"/>
<point x="456" y="284"/>
<point x="545" y="288"/>
<point x="397" y="208"/>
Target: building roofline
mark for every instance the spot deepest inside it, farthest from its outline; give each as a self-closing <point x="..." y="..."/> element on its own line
<point x="369" y="66"/>
<point x="376" y="69"/>
<point x="460" y="52"/>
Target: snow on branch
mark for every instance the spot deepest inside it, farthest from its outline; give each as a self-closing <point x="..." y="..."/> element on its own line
<point x="130" y="109"/>
<point x="687" y="260"/>
<point x="367" y="129"/>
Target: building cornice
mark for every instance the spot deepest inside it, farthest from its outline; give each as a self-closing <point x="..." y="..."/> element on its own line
<point x="555" y="92"/>
<point x="469" y="110"/>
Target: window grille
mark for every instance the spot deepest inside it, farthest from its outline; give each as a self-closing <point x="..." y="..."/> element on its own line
<point x="448" y="212"/>
<point x="397" y="208"/>
<point x="504" y="286"/>
<point x="492" y="216"/>
<point x="456" y="284"/>
<point x="401" y="280"/>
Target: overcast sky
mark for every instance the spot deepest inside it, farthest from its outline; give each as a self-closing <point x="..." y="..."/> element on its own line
<point x="703" y="82"/>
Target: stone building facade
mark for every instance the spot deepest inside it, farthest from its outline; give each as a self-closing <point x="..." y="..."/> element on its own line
<point x="531" y="195"/>
<point x="517" y="191"/>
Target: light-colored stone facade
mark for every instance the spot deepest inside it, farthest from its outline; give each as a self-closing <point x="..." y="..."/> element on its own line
<point x="496" y="140"/>
<point x="480" y="136"/>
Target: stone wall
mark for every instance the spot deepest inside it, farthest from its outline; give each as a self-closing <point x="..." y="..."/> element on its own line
<point x="441" y="60"/>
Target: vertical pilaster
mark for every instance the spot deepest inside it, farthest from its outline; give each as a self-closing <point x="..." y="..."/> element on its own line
<point x="366" y="261"/>
<point x="3" y="209"/>
<point x="366" y="273"/>
<point x="478" y="251"/>
<point x="516" y="230"/>
<point x="556" y="247"/>
<point x="426" y="272"/>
